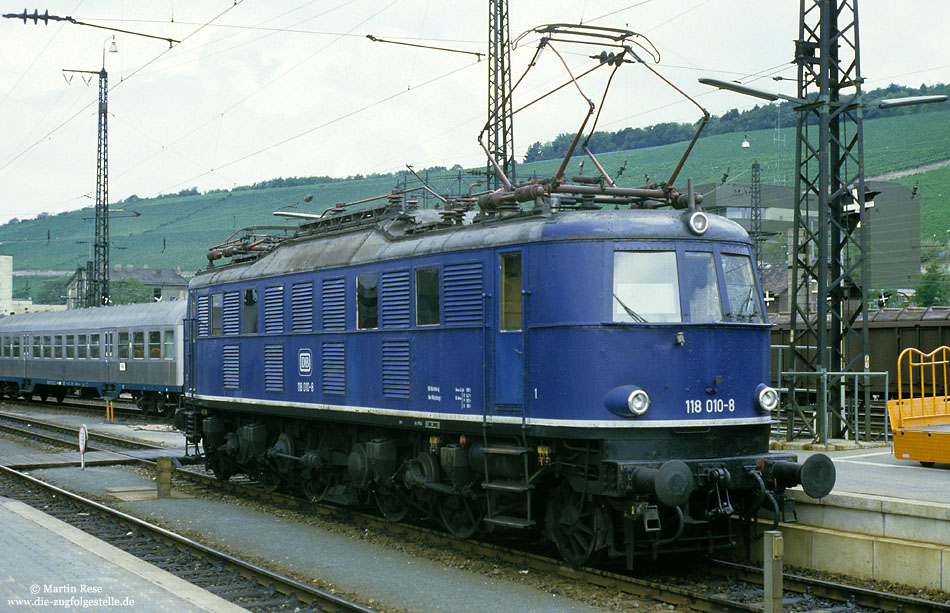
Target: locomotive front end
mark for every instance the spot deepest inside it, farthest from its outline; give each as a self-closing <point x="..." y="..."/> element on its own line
<point x="681" y="365"/>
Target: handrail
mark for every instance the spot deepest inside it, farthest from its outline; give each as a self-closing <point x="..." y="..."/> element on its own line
<point x="925" y="408"/>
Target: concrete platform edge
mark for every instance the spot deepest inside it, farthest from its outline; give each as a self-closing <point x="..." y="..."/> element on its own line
<point x="200" y="598"/>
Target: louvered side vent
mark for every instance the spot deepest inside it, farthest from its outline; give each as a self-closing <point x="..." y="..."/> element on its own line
<point x="463" y="294"/>
<point x="333" y="305"/>
<point x="201" y="312"/>
<point x="274" y="309"/>
<point x="231" y="313"/>
<point x="301" y="307"/>
<point x="395" y="299"/>
<point x="231" y="367"/>
<point x="396" y="369"/>
<point x="273" y="368"/>
<point x="334" y="369"/>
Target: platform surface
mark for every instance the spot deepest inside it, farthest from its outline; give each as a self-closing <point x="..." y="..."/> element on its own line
<point x="59" y="567"/>
<point x="877" y="472"/>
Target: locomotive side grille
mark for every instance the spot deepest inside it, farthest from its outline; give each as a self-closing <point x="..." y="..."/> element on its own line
<point x="274" y="309"/>
<point x="463" y="294"/>
<point x="202" y="315"/>
<point x="231" y="313"/>
<point x="231" y="367"/>
<point x="334" y="368"/>
<point x="396" y="383"/>
<point x="273" y="368"/>
<point x="334" y="305"/>
<point x="395" y="299"/>
<point x="301" y="307"/>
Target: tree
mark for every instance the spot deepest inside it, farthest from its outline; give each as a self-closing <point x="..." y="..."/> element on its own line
<point x="934" y="288"/>
<point x="128" y="291"/>
<point x="51" y="292"/>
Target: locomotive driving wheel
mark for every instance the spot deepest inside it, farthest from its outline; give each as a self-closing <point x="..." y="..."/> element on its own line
<point x="391" y="503"/>
<point x="459" y="515"/>
<point x="220" y="466"/>
<point x="319" y="483"/>
<point x="576" y="524"/>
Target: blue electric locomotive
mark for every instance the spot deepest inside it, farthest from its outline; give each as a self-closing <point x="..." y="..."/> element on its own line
<point x="600" y="372"/>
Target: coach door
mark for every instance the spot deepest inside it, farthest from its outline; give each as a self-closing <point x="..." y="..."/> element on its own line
<point x="109" y="361"/>
<point x="509" y="337"/>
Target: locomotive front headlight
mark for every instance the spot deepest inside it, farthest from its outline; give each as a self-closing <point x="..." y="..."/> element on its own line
<point x="697" y="222"/>
<point x="767" y="398"/>
<point x="638" y="402"/>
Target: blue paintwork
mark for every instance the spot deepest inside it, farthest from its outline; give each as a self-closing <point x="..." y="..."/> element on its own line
<point x="572" y="355"/>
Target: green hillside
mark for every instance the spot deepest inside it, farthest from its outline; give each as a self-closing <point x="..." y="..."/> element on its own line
<point x="178" y="230"/>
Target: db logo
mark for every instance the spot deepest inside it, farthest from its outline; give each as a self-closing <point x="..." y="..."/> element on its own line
<point x="304" y="362"/>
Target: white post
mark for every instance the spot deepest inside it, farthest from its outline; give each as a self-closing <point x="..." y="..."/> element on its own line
<point x="772" y="565"/>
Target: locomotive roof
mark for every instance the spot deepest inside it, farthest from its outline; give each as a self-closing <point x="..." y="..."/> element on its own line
<point x="394" y="239"/>
<point x="120" y="316"/>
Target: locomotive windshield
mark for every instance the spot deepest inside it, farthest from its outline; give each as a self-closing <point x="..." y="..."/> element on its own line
<point x="656" y="287"/>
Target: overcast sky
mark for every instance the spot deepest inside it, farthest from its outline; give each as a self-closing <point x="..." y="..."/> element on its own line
<point x="258" y="90"/>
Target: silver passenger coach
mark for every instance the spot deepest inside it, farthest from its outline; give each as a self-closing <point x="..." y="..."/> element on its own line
<point x="97" y="352"/>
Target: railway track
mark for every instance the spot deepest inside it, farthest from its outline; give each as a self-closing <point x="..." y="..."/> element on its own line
<point x="65" y="436"/>
<point x="74" y="404"/>
<point x="238" y="581"/>
<point x="723" y="586"/>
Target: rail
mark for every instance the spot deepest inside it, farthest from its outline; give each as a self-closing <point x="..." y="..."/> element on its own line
<point x="928" y="408"/>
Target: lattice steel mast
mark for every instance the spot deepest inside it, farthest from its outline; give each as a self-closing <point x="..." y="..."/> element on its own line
<point x="500" y="126"/>
<point x="829" y="334"/>
<point x="97" y="291"/>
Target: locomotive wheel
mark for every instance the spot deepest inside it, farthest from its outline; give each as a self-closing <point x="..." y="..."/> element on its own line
<point x="391" y="504"/>
<point x="220" y="467"/>
<point x="317" y="486"/>
<point x="575" y="524"/>
<point x="460" y="516"/>
<point x="266" y="477"/>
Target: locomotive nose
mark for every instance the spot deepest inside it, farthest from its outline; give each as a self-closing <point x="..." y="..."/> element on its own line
<point x="816" y="475"/>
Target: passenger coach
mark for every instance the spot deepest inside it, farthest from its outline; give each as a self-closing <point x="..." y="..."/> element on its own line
<point x="105" y="351"/>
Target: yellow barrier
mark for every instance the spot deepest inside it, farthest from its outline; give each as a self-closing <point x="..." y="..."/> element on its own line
<point x="926" y="403"/>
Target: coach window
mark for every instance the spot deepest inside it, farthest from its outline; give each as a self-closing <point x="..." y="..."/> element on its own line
<point x="511" y="291"/>
<point x="124" y="345"/>
<point x="250" y="310"/>
<point x="367" y="304"/>
<point x="16" y="346"/>
<point x="70" y="346"/>
<point x="58" y="346"/>
<point x="154" y="344"/>
<point x="138" y="345"/>
<point x="169" y="344"/>
<point x="741" y="291"/>
<point x="700" y="287"/>
<point x="216" y="313"/>
<point x="427" y="296"/>
<point x="108" y="344"/>
<point x="6" y="346"/>
<point x="81" y="347"/>
<point x="94" y="346"/>
<point x="47" y="346"/>
<point x="646" y="287"/>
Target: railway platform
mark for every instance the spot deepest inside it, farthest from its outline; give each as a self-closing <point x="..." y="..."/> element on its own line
<point x="59" y="567"/>
<point x="887" y="519"/>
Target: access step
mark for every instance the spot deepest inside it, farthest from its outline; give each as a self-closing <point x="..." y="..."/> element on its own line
<point x="507" y="486"/>
<point x="506" y="521"/>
